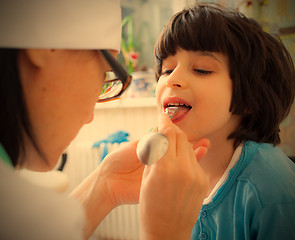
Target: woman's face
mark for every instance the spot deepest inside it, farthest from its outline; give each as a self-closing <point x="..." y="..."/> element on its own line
<point x="61" y="88"/>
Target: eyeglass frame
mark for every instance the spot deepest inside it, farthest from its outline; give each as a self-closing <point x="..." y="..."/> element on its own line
<point x="119" y="71"/>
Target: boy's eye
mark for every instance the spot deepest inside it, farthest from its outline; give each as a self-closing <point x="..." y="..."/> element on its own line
<point x="202" y="72"/>
<point x="167" y="72"/>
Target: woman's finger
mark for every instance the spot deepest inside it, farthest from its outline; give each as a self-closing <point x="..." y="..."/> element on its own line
<point x="201" y="148"/>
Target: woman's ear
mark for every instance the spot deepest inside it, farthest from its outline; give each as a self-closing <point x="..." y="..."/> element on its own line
<point x="38" y="57"/>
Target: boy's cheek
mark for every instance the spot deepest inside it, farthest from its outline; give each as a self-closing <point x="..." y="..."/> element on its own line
<point x="157" y="89"/>
<point x="158" y="97"/>
<point x="161" y="90"/>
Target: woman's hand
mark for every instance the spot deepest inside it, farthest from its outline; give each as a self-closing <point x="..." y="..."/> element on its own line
<point x="116" y="181"/>
<point x="173" y="188"/>
<point x="123" y="173"/>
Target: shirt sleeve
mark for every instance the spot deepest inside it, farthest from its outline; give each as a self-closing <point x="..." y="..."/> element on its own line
<point x="276" y="221"/>
<point x="31" y="212"/>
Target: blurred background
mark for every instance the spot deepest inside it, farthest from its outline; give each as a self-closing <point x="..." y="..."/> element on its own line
<point x="135" y="114"/>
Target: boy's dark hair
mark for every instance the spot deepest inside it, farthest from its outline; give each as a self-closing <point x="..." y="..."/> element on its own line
<point x="14" y="120"/>
<point x="260" y="67"/>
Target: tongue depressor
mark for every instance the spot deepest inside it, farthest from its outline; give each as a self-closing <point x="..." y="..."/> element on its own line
<point x="152" y="146"/>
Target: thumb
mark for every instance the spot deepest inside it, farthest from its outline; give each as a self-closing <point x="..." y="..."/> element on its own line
<point x="201" y="148"/>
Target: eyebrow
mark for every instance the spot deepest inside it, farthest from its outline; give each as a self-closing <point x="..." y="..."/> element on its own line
<point x="209" y="54"/>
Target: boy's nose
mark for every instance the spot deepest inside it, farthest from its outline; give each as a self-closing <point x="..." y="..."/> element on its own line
<point x="176" y="80"/>
<point x="173" y="85"/>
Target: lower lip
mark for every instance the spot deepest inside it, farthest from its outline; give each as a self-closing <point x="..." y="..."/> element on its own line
<point x="176" y="120"/>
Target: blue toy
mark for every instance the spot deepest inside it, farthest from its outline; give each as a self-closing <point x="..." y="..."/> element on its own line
<point x="117" y="137"/>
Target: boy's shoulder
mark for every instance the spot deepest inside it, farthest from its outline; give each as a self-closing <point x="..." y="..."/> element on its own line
<point x="268" y="171"/>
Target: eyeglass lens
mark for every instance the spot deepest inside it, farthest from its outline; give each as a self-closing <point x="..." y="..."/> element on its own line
<point x="111" y="89"/>
<point x="116" y="80"/>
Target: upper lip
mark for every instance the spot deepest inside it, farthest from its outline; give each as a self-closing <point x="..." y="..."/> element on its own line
<point x="172" y="100"/>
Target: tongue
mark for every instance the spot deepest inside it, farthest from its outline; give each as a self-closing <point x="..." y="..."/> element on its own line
<point x="181" y="111"/>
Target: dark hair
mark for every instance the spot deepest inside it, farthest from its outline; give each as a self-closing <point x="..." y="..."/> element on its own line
<point x="14" y="120"/>
<point x="260" y="67"/>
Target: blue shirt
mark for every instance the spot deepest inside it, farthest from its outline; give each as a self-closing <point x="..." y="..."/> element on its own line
<point x="257" y="201"/>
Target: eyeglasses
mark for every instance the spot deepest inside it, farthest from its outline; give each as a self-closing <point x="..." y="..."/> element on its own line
<point x="116" y="81"/>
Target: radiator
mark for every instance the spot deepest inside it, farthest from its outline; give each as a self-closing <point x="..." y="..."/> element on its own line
<point x="123" y="222"/>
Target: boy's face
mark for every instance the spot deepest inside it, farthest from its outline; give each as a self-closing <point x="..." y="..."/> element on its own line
<point x="201" y="81"/>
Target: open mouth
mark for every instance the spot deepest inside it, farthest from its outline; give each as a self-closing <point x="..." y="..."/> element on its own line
<point x="182" y="109"/>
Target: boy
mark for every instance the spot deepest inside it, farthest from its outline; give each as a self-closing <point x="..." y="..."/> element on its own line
<point x="233" y="84"/>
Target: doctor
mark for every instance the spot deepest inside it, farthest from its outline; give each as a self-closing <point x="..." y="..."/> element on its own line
<point x="55" y="58"/>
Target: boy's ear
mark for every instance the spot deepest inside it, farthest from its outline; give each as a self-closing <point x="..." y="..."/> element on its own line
<point x="38" y="57"/>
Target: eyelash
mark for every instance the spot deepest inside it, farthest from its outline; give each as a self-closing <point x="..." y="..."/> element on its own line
<point x="199" y="71"/>
<point x="202" y="72"/>
<point x="167" y="72"/>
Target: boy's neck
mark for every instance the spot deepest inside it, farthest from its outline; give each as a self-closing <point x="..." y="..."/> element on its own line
<point x="217" y="160"/>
